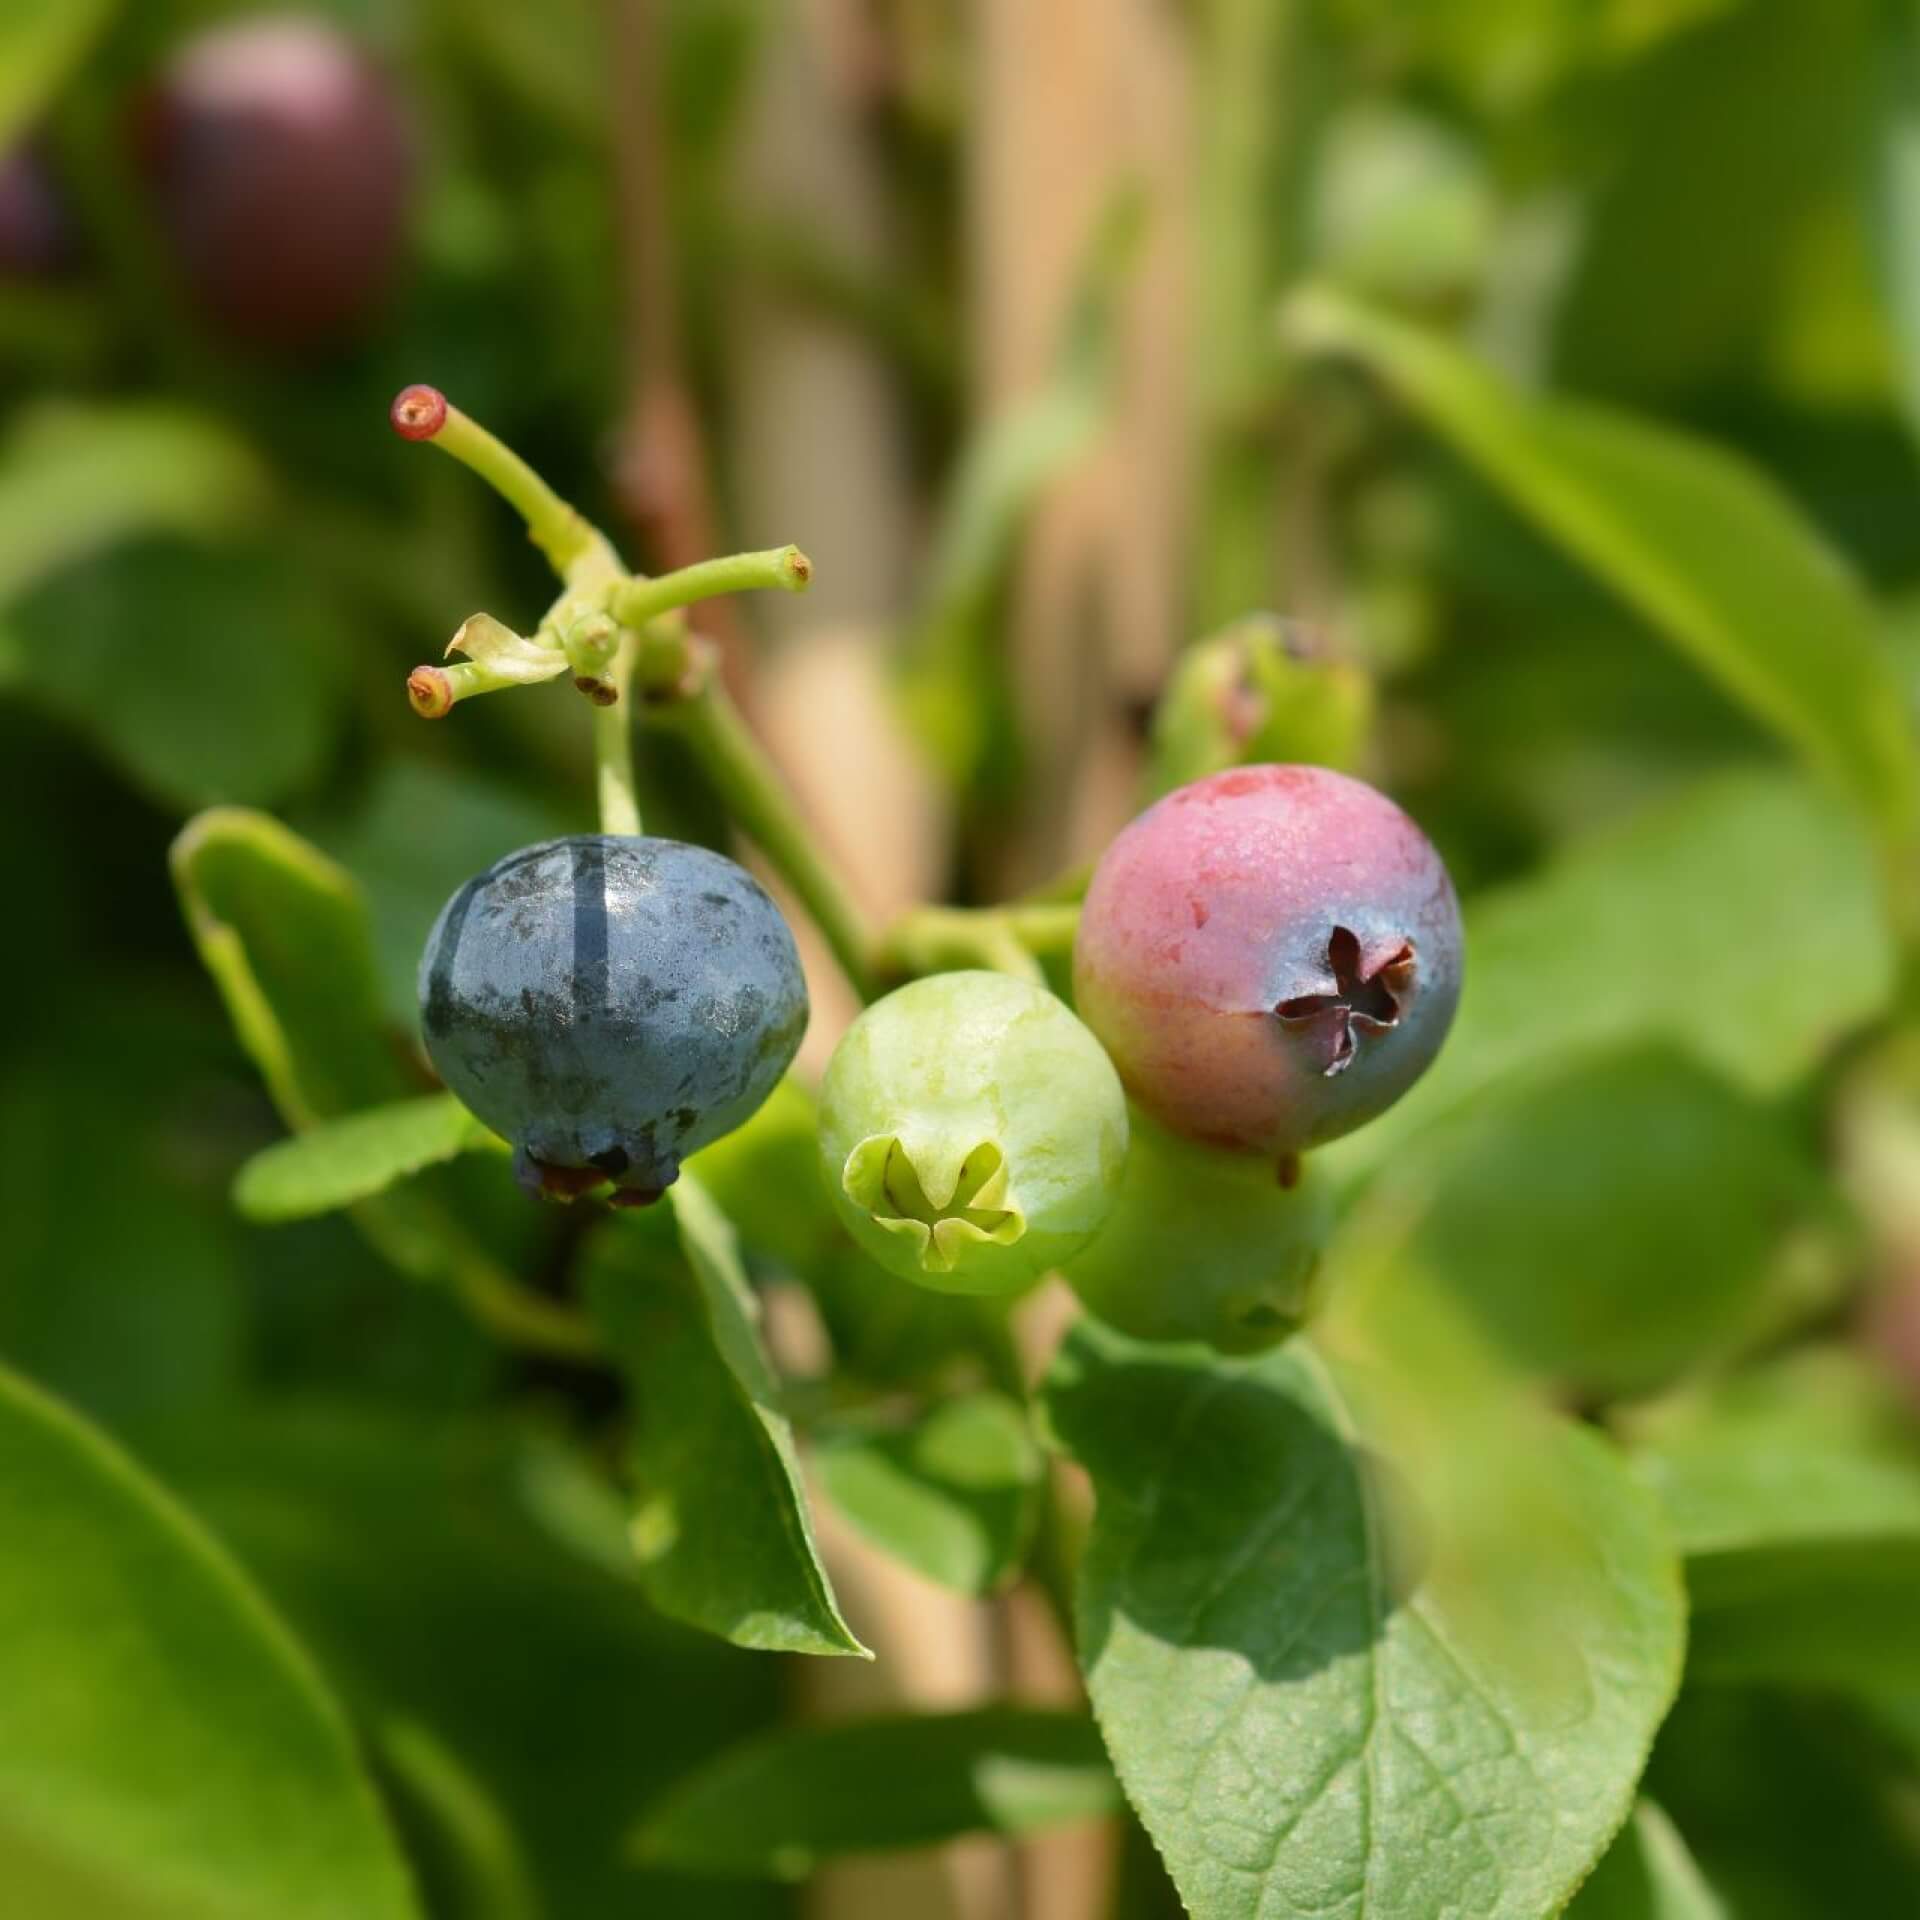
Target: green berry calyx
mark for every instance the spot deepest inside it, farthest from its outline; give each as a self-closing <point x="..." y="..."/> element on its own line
<point x="939" y="1219"/>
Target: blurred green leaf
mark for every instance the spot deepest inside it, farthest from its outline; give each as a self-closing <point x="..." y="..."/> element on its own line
<point x="1326" y="1687"/>
<point x="120" y="1274"/>
<point x="1738" y="922"/>
<point x="1647" y="1874"/>
<point x="463" y="1849"/>
<point x="720" y="1522"/>
<point x="1712" y="154"/>
<point x="1517" y="1209"/>
<point x="341" y="1161"/>
<point x="1801" y="1533"/>
<point x="77" y="478"/>
<point x="786" y="1803"/>
<point x="1701" y="545"/>
<point x="169" y="1752"/>
<point x="954" y="678"/>
<point x="552" y="59"/>
<point x="284" y="932"/>
<point x="41" y="43"/>
<point x="206" y="673"/>
<point x="955" y="1496"/>
<point x="401" y="1547"/>
<point x="1791" y="1807"/>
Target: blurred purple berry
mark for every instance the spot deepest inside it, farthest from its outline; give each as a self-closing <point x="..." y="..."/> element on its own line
<point x="35" y="242"/>
<point x="282" y="167"/>
<point x="1271" y="956"/>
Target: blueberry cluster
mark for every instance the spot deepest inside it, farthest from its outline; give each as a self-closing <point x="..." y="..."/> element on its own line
<point x="1266" y="959"/>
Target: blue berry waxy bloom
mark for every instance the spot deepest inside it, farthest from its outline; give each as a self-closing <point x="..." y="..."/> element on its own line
<point x="972" y="1132"/>
<point x="609" y="1004"/>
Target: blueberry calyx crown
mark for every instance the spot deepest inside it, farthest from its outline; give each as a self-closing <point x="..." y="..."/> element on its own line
<point x="1361" y="1005"/>
<point x="882" y="1179"/>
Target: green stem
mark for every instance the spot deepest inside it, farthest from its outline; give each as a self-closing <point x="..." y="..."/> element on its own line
<point x="613" y="747"/>
<point x="574" y="546"/>
<point x="516" y="1314"/>
<point x="638" y="601"/>
<point x="758" y="800"/>
<point x="1009" y="939"/>
<point x="1046" y="930"/>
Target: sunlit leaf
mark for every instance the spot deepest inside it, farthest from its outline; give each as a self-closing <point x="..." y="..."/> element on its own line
<point x="720" y="1523"/>
<point x="1334" y="1682"/>
<point x="1700" y="544"/>
<point x="354" y="1158"/>
<point x="167" y="1752"/>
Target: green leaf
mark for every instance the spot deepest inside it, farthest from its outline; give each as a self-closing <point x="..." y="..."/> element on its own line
<point x="1327" y="1689"/>
<point x="1800" y="1525"/>
<point x="168" y="1752"/>
<point x="284" y="933"/>
<point x="41" y="43"/>
<point x="341" y="1161"/>
<point x="1673" y="927"/>
<point x="955" y="1495"/>
<point x="1712" y="161"/>
<point x="132" y="1307"/>
<point x="206" y="673"/>
<point x="466" y="1853"/>
<point x="1516" y="1208"/>
<point x="1791" y="1806"/>
<point x="1700" y="544"/>
<point x="75" y="479"/>
<point x="781" y="1805"/>
<point x="403" y="1546"/>
<point x="720" y="1522"/>
<point x="1647" y="1874"/>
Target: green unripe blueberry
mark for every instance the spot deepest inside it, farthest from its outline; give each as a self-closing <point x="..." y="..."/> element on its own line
<point x="1206" y="1246"/>
<point x="972" y="1132"/>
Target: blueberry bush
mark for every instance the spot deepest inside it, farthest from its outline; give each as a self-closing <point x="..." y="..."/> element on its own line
<point x="1179" y="1176"/>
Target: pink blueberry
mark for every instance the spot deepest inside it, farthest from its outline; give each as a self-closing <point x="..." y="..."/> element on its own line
<point x="1271" y="956"/>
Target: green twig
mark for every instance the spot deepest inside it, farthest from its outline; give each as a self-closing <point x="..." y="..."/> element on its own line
<point x="613" y="745"/>
<point x="574" y="546"/>
<point x="635" y="602"/>
<point x="754" y="794"/>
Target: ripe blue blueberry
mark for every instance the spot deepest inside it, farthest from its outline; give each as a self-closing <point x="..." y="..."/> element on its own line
<point x="609" y="1004"/>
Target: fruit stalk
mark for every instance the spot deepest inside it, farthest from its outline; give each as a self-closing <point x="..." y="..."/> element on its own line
<point x="638" y="601"/>
<point x="754" y="794"/>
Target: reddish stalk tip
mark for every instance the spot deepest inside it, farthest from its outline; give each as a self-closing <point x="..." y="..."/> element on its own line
<point x="418" y="412"/>
<point x="431" y="692"/>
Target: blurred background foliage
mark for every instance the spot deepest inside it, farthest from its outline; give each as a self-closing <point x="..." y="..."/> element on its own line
<point x="996" y="309"/>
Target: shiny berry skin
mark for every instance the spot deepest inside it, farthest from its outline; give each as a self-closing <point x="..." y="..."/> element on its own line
<point x="609" y="1004"/>
<point x="281" y="165"/>
<point x="1271" y="956"/>
<point x="1206" y="1246"/>
<point x="971" y="1132"/>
